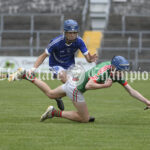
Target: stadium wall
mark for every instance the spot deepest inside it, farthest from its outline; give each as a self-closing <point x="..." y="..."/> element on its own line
<point x="132" y="7"/>
<point x="70" y="8"/>
<point x="128" y="33"/>
<point x="41" y="6"/>
<point x="12" y="63"/>
<point x="55" y="11"/>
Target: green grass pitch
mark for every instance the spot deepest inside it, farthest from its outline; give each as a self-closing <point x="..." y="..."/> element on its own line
<point x="121" y="123"/>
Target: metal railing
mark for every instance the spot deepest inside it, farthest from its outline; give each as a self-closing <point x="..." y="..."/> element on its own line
<point x="124" y="22"/>
<point x="30" y="31"/>
<point x="84" y="13"/>
<point x="130" y="37"/>
<point x="35" y="37"/>
<point x="129" y="42"/>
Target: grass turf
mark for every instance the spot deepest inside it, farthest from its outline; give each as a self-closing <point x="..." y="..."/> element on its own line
<point x="121" y="123"/>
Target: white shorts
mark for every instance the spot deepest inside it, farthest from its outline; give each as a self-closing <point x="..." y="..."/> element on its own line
<point x="72" y="92"/>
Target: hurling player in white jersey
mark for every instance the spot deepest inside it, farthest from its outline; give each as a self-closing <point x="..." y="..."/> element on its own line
<point x="61" y="52"/>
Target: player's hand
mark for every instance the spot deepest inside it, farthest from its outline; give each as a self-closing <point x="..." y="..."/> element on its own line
<point x="93" y="57"/>
<point x="108" y="82"/>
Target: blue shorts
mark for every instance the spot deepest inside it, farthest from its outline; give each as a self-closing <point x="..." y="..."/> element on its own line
<point x="56" y="70"/>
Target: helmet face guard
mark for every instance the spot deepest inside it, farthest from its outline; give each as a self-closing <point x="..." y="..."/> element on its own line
<point x="120" y="63"/>
<point x="70" y="26"/>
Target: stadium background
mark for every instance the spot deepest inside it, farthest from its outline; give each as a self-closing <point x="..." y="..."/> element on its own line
<point x="109" y="27"/>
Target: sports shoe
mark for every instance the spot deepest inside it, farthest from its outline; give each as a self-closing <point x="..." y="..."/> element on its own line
<point x="91" y="119"/>
<point x="60" y="103"/>
<point x="147" y="107"/>
<point x="17" y="75"/>
<point x="48" y="113"/>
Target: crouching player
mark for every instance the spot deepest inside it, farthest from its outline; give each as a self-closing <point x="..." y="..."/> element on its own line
<point x="100" y="76"/>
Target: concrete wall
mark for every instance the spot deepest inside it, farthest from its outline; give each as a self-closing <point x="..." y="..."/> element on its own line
<point x="40" y="6"/>
<point x="132" y="7"/>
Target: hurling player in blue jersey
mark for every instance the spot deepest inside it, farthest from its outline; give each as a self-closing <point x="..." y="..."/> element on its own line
<point x="61" y="52"/>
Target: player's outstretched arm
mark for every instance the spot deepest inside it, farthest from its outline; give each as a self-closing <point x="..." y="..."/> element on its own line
<point x="40" y="60"/>
<point x="137" y="95"/>
<point x="91" y="58"/>
<point x="91" y="85"/>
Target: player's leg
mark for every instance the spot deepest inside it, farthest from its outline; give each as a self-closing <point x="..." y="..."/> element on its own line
<point x="53" y="94"/>
<point x="58" y="72"/>
<point x="21" y="73"/>
<point x="62" y="76"/>
<point x="77" y="98"/>
<point x="81" y="115"/>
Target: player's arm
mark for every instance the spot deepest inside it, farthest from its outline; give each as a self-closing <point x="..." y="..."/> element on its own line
<point x="46" y="53"/>
<point x="40" y="59"/>
<point x="38" y="62"/>
<point x="134" y="93"/>
<point x="92" y="85"/>
<point x="90" y="58"/>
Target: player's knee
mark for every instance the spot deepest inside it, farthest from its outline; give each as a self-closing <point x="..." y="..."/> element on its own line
<point x="62" y="77"/>
<point x="51" y="95"/>
<point x="85" y="120"/>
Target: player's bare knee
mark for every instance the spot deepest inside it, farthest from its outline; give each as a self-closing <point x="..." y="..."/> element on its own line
<point x="85" y="120"/>
<point x="62" y="77"/>
<point x="51" y="95"/>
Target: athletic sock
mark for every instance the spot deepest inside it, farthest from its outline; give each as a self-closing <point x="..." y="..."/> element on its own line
<point x="56" y="113"/>
<point x="28" y="77"/>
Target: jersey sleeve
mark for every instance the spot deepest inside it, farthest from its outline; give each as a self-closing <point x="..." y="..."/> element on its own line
<point x="83" y="47"/>
<point x="99" y="78"/>
<point x="50" y="48"/>
<point x="95" y="78"/>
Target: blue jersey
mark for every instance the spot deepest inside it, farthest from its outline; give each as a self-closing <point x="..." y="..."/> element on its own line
<point x="62" y="54"/>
